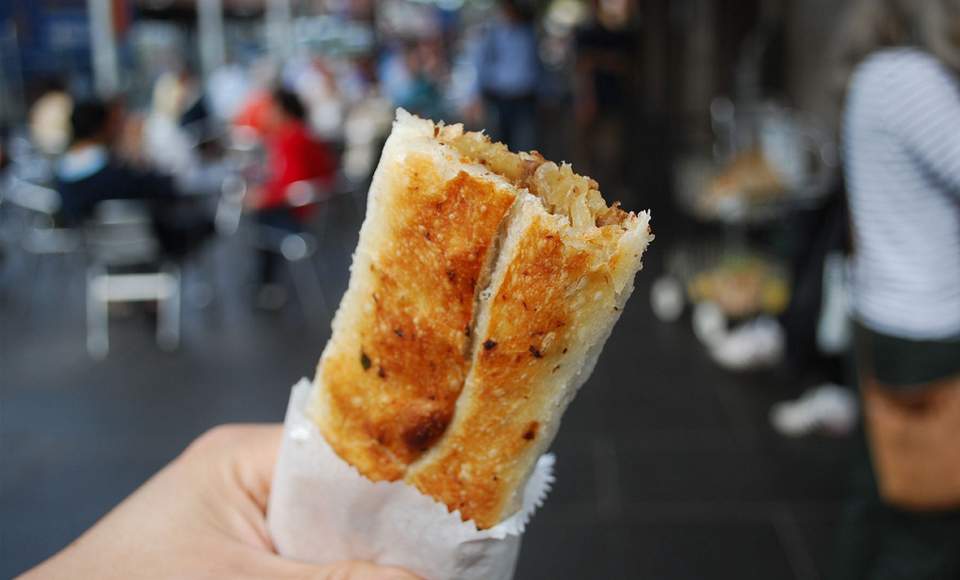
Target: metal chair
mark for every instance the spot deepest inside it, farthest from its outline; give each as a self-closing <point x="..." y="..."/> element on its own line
<point x="30" y="232"/>
<point x="125" y="266"/>
<point x="39" y="234"/>
<point x="297" y="248"/>
<point x="230" y="205"/>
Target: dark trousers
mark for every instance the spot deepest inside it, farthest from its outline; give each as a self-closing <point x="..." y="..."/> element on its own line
<point x="600" y="152"/>
<point x="880" y="542"/>
<point x="513" y="120"/>
<point x="181" y="227"/>
<point x="277" y="221"/>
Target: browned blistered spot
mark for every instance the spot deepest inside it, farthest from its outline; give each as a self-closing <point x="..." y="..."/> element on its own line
<point x="382" y="373"/>
<point x="565" y="350"/>
<point x="364" y="360"/>
<point x="489" y="344"/>
<point x="421" y="435"/>
<point x="535" y="352"/>
<point x="613" y="215"/>
<point x="398" y="332"/>
<point x="531" y="433"/>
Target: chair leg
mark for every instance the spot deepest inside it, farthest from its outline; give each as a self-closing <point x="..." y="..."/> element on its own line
<point x="199" y="281"/>
<point x="98" y="318"/>
<point x="168" y="313"/>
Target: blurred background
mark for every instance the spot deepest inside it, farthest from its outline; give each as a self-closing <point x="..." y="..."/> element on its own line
<point x="182" y="184"/>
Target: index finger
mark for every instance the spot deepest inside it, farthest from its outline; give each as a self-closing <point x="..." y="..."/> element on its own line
<point x="249" y="451"/>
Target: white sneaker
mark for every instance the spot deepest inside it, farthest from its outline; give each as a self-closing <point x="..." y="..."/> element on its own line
<point x="756" y="344"/>
<point x="667" y="298"/>
<point x="709" y="324"/>
<point x="828" y="408"/>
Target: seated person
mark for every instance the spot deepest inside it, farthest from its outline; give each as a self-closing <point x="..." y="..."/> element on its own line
<point x="293" y="155"/>
<point x="175" y="149"/>
<point x="88" y="174"/>
<point x="49" y="119"/>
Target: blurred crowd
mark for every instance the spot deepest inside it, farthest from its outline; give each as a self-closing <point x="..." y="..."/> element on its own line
<point x="295" y="132"/>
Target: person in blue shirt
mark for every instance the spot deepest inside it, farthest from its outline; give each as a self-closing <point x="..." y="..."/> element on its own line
<point x="89" y="173"/>
<point x="508" y="70"/>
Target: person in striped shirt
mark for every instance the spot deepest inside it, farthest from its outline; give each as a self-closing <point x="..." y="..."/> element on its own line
<point x="901" y="145"/>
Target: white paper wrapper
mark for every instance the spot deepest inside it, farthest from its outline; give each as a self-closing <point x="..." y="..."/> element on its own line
<point x="322" y="510"/>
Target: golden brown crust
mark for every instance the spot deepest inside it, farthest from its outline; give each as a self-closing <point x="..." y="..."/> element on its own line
<point x="533" y="318"/>
<point x="391" y="392"/>
<point x="483" y="288"/>
<point x="525" y="339"/>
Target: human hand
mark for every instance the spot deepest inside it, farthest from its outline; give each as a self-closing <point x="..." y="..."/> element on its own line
<point x="202" y="516"/>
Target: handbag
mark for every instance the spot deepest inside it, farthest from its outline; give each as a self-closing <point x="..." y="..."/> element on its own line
<point x="911" y="408"/>
<point x="914" y="437"/>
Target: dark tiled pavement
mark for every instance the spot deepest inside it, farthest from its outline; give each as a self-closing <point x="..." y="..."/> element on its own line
<point x="667" y="468"/>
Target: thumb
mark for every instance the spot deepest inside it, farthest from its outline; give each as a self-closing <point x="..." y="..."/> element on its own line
<point x="349" y="570"/>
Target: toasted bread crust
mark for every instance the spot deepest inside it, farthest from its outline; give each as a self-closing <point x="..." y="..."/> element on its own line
<point x="525" y="338"/>
<point x="482" y="290"/>
<point x="536" y="333"/>
<point x="392" y="381"/>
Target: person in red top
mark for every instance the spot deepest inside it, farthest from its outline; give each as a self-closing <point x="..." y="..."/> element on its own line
<point x="300" y="171"/>
<point x="255" y="112"/>
<point x="293" y="155"/>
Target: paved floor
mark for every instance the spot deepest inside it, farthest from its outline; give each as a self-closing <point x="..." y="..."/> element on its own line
<point x="667" y="468"/>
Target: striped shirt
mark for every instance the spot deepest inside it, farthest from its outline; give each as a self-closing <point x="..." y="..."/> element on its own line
<point x="902" y="164"/>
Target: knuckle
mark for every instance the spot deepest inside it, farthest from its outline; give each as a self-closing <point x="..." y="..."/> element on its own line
<point x="213" y="439"/>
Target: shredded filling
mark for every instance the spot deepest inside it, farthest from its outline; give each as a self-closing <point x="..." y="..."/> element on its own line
<point x="562" y="191"/>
